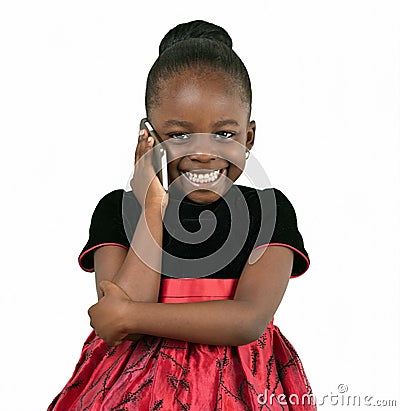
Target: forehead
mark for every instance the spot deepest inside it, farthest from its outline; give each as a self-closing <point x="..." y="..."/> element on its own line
<point x="204" y="92"/>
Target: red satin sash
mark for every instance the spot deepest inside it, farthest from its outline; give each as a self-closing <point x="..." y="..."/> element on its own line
<point x="183" y="290"/>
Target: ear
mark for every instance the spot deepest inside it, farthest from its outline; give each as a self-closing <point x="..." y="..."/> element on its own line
<point x="251" y="133"/>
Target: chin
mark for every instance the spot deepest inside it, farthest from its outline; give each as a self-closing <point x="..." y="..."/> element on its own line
<point x="205" y="196"/>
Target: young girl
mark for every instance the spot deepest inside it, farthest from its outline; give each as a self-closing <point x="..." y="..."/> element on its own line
<point x="189" y="280"/>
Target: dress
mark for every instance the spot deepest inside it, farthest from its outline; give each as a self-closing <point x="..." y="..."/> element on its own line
<point x="158" y="373"/>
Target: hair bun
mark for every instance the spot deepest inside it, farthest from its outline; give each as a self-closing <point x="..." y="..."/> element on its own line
<point x="192" y="30"/>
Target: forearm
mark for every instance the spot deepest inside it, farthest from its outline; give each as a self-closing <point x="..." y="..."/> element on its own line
<point x="223" y="322"/>
<point x="139" y="275"/>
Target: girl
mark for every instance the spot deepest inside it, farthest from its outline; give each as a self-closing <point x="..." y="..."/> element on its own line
<point x="189" y="280"/>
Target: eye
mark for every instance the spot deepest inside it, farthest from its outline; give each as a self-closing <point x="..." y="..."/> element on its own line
<point x="179" y="136"/>
<point x="223" y="135"/>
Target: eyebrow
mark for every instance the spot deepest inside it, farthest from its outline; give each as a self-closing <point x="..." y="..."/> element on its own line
<point x="227" y="122"/>
<point x="181" y="123"/>
<point x="178" y="123"/>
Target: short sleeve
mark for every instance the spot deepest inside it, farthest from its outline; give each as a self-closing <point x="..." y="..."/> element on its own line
<point x="285" y="231"/>
<point x="113" y="222"/>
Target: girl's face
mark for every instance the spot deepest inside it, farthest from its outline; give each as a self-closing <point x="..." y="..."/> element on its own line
<point x="206" y="102"/>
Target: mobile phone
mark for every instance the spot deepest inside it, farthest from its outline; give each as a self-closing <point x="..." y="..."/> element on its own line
<point x="159" y="153"/>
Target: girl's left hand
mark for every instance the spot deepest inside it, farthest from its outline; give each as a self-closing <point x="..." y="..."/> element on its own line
<point x="109" y="315"/>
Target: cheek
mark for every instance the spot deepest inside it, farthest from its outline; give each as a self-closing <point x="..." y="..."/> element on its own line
<point x="235" y="155"/>
<point x="173" y="166"/>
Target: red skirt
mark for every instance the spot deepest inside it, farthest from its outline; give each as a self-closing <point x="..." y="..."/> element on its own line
<point x="158" y="373"/>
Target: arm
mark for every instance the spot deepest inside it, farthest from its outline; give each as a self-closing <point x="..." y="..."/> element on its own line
<point x="229" y="322"/>
<point x="107" y="261"/>
<point x="137" y="270"/>
<point x="139" y="275"/>
<point x="140" y="281"/>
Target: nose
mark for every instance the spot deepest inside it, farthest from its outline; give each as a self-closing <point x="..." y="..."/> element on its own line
<point x="198" y="148"/>
<point x="202" y="149"/>
<point x="202" y="157"/>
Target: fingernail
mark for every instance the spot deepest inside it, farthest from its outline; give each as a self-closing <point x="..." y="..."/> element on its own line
<point x="149" y="139"/>
<point x="141" y="133"/>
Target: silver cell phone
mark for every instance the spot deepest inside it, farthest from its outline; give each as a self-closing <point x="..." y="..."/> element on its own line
<point x="159" y="154"/>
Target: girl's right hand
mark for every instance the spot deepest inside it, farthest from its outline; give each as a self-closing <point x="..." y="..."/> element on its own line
<point x="145" y="184"/>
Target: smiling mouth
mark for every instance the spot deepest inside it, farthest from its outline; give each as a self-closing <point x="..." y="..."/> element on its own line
<point x="204" y="178"/>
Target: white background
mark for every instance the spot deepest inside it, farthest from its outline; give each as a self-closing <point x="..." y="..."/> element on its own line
<point x="325" y="77"/>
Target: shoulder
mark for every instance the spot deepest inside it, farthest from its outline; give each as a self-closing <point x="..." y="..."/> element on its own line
<point x="118" y="208"/>
<point x="275" y="222"/>
<point x="113" y="223"/>
<point x="270" y="206"/>
<point x="110" y="200"/>
<point x="265" y="196"/>
<point x="265" y="201"/>
<point x="114" y="196"/>
<point x="250" y="192"/>
<point x="117" y="200"/>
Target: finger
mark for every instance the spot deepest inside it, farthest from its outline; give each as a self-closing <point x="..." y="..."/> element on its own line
<point x="141" y="137"/>
<point x="145" y="145"/>
<point x="105" y="285"/>
<point x="90" y="310"/>
<point x="137" y="156"/>
<point x="142" y="134"/>
<point x="108" y="287"/>
<point x="142" y="156"/>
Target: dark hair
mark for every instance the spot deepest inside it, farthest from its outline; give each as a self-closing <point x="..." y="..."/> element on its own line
<point x="196" y="44"/>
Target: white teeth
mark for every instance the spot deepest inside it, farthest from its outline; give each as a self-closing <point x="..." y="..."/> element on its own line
<point x="203" y="178"/>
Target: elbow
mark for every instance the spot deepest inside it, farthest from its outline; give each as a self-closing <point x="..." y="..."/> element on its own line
<point x="253" y="330"/>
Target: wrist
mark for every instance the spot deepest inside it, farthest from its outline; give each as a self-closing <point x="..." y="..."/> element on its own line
<point x="154" y="210"/>
<point x="157" y="203"/>
<point x="131" y="314"/>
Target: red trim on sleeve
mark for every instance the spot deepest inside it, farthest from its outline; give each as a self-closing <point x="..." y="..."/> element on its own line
<point x="291" y="247"/>
<point x="90" y="270"/>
